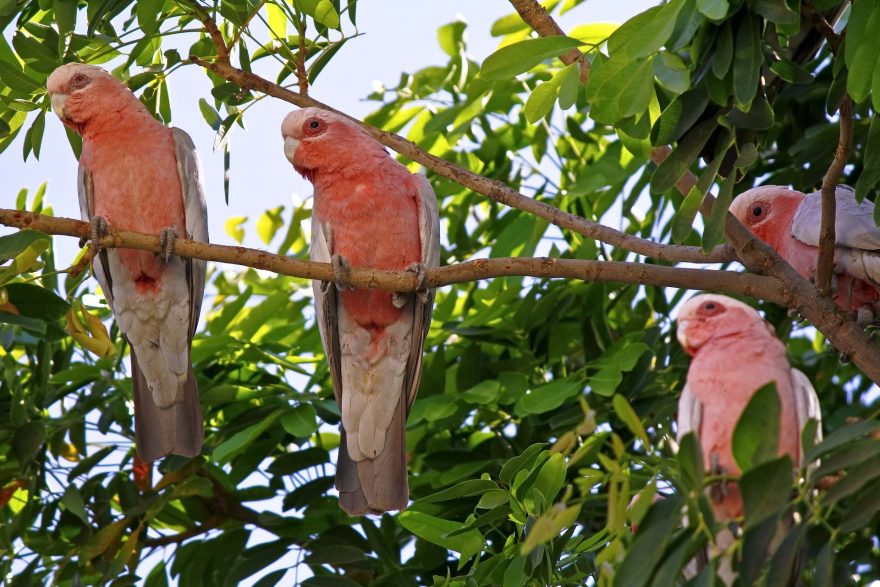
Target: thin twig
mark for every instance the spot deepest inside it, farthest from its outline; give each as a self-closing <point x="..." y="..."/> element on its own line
<point x="211" y="27"/>
<point x="477" y="269"/>
<point x="212" y="523"/>
<point x="301" y="75"/>
<point x="491" y="188"/>
<point x="827" y="238"/>
<point x="246" y="23"/>
<point x="537" y="17"/>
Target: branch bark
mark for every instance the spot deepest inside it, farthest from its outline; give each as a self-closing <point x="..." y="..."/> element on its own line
<point x="827" y="238"/>
<point x="541" y="267"/>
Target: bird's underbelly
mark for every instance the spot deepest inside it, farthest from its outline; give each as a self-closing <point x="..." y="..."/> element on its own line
<point x="392" y="248"/>
<point x="141" y="195"/>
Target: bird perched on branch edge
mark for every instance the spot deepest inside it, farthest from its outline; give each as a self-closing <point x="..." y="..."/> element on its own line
<point x="369" y="211"/>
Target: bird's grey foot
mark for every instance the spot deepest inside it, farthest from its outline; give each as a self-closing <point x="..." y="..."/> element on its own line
<point x="167" y="238"/>
<point x="795" y="315"/>
<point x="341" y="272"/>
<point x="719" y="490"/>
<point x="864" y="317"/>
<point x="400" y="298"/>
<point x="98" y="229"/>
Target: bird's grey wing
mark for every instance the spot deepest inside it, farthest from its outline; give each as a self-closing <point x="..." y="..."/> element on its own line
<point x="690" y="413"/>
<point x="192" y="186"/>
<point x="326" y="310"/>
<point x="854" y="222"/>
<point x="806" y="404"/>
<point x="429" y="233"/>
<point x="100" y="264"/>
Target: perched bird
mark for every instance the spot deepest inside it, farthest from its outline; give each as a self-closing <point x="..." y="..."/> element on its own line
<point x="735" y="352"/>
<point x="136" y="174"/>
<point x="369" y="211"/>
<point x="789" y="221"/>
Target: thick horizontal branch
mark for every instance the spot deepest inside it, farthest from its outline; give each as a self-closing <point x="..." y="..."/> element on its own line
<point x="755" y="286"/>
<point x="488" y="187"/>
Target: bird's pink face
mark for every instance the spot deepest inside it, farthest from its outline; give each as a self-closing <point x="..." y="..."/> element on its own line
<point x="764" y="209"/>
<point x="78" y="92"/>
<point x="708" y="316"/>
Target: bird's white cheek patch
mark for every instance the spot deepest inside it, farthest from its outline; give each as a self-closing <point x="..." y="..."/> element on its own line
<point x="290" y="146"/>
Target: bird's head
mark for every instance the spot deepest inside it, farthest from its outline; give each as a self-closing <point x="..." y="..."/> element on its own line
<point x="709" y="316"/>
<point x="318" y="140"/>
<point x="763" y="210"/>
<point x="81" y="92"/>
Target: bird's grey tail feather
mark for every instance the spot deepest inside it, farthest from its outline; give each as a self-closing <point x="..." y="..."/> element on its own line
<point x="376" y="485"/>
<point x="161" y="431"/>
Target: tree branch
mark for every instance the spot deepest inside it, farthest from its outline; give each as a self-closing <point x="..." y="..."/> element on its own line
<point x="827" y="238"/>
<point x="215" y="521"/>
<point x="489" y="187"/>
<point x="213" y="31"/>
<point x="537" y="17"/>
<point x="599" y="271"/>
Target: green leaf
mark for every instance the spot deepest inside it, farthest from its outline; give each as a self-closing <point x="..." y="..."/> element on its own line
<point x="211" y="116"/>
<point x="12" y="245"/>
<point x="234" y="227"/>
<point x="484" y="392"/>
<point x="690" y="462"/>
<point x="756" y="436"/>
<point x="103" y="539"/>
<point x="300" y="421"/>
<point x="870" y="175"/>
<point x="779" y="573"/>
<point x="671" y="170"/>
<point x="451" y="37"/>
<point x="723" y="51"/>
<point x="277" y="21"/>
<point x="628" y="415"/>
<point x="148" y="15"/>
<point x="713" y="9"/>
<point x="507" y="24"/>
<point x="683" y="221"/>
<point x="747" y="61"/>
<point x="681" y="114"/>
<point x="541" y="100"/>
<point x="27" y="440"/>
<point x="862" y="49"/>
<point x="65" y="15"/>
<point x="520" y="57"/>
<point x="437" y="531"/>
<point x="322" y="11"/>
<point x="672" y="72"/>
<point x="645" y="33"/>
<point x="469" y="488"/>
<point x="569" y="86"/>
<point x="619" y="358"/>
<point x="72" y="500"/>
<point x="650" y="543"/>
<point x="714" y="231"/>
<point x="269" y="223"/>
<point x="776" y="11"/>
<point x="619" y="88"/>
<point x="547" y="397"/>
<point x="234" y="446"/>
<point x="765" y="489"/>
<point x="34" y="301"/>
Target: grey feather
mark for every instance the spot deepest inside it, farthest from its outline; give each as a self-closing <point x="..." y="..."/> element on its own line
<point x="854" y="222"/>
<point x="806" y="404"/>
<point x="690" y="413"/>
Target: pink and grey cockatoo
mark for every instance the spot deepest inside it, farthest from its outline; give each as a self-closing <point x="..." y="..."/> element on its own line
<point x="137" y="174"/>
<point x="735" y="352"/>
<point x="369" y="211"/>
<point x="789" y="221"/>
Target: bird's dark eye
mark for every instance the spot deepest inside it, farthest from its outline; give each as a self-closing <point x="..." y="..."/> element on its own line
<point x="758" y="211"/>
<point x="710" y="309"/>
<point x="313" y="127"/>
<point x="80" y="80"/>
<point x="314" y="124"/>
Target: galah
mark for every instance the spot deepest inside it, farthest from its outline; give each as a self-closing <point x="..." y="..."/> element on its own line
<point x="735" y="352"/>
<point x="369" y="211"/>
<point x="137" y="174"/>
<point x="789" y="221"/>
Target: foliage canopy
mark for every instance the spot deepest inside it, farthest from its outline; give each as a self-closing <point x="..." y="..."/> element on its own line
<point x="545" y="405"/>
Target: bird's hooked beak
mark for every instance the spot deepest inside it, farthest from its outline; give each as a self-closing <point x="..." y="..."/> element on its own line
<point x="681" y="334"/>
<point x="58" y="102"/>
<point x="290" y="146"/>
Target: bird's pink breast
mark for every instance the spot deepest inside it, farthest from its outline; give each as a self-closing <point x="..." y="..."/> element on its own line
<point x="374" y="223"/>
<point x="724" y="377"/>
<point x="137" y="188"/>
